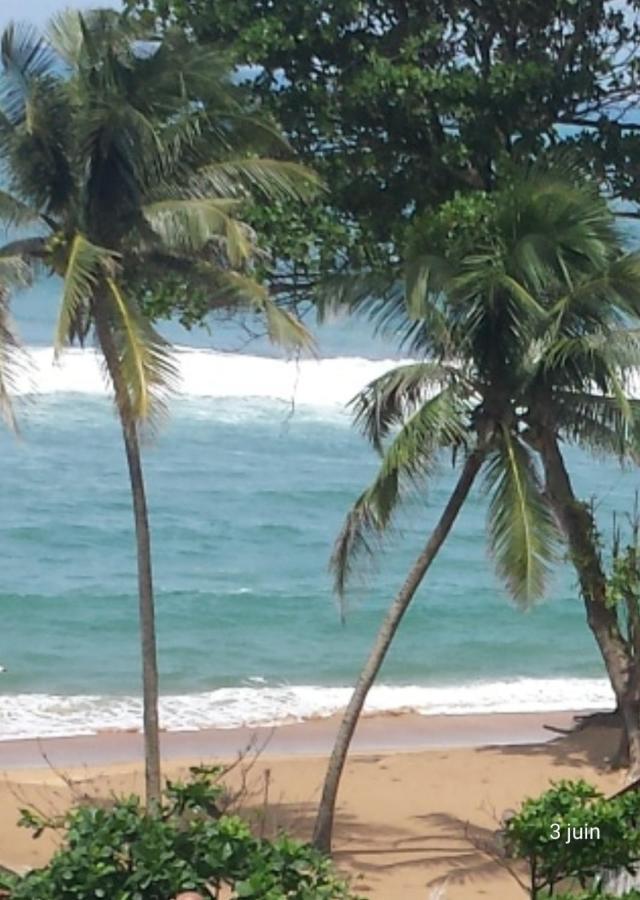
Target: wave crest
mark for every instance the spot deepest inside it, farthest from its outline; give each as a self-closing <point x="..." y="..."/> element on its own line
<point x="207" y="373"/>
<point x="44" y="715"/>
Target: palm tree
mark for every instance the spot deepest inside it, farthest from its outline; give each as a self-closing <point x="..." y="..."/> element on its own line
<point x="129" y="159"/>
<point x="521" y="325"/>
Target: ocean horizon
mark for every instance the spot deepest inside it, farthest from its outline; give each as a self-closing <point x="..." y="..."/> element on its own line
<point x="249" y="480"/>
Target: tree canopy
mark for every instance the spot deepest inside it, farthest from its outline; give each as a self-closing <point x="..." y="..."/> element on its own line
<point x="399" y="104"/>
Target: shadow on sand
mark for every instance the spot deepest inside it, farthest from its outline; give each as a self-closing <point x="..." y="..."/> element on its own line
<point x="437" y="847"/>
<point x="592" y="742"/>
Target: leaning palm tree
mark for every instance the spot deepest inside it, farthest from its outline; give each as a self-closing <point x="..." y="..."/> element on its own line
<point x="494" y="318"/>
<point x="126" y="161"/>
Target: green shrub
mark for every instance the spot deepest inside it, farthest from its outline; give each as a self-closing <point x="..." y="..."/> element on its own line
<point x="124" y="853"/>
<point x="609" y="839"/>
<point x="596" y="895"/>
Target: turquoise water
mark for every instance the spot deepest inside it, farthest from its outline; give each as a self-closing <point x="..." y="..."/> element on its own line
<point x="246" y="495"/>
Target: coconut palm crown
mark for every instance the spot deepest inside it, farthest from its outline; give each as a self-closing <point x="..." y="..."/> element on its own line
<point x="525" y="316"/>
<point x="129" y="157"/>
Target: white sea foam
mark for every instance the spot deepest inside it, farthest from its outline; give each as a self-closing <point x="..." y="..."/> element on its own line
<point x="205" y="373"/>
<point x="43" y="715"/>
<point x="329" y="382"/>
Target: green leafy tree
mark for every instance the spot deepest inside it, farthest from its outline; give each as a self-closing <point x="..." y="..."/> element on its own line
<point x="127" y="161"/>
<point x="516" y="301"/>
<point x="401" y="103"/>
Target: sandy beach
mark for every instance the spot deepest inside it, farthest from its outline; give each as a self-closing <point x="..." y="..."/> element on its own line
<point x="421" y="801"/>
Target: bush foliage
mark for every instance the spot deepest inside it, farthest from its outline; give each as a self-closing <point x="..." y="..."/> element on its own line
<point x="596" y="895"/>
<point x="583" y="860"/>
<point x="125" y="853"/>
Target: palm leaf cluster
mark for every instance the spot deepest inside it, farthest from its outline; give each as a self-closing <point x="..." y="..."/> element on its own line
<point x="525" y="327"/>
<point x="127" y="160"/>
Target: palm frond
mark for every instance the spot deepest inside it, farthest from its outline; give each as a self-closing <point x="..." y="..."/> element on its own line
<point x="489" y="307"/>
<point x="119" y="149"/>
<point x="267" y="179"/>
<point x="361" y="293"/>
<point x="408" y="461"/>
<point x="560" y="227"/>
<point x="93" y="35"/>
<point x="599" y="423"/>
<point x="12" y="362"/>
<point x="35" y="127"/>
<point x="426" y="276"/>
<point x="64" y="34"/>
<point x="389" y="400"/>
<point x="85" y="265"/>
<point x="15" y="213"/>
<point x="26" y="59"/>
<point x="191" y="224"/>
<point x="522" y="530"/>
<point x="146" y="362"/>
<point x="528" y="305"/>
<point x="381" y="297"/>
<point x="30" y="250"/>
<point x="600" y="299"/>
<point x="283" y="328"/>
<point x="13" y="273"/>
<point x="604" y="358"/>
<point x="223" y="289"/>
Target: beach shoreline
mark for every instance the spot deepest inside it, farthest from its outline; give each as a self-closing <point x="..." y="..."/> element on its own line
<point x="387" y="732"/>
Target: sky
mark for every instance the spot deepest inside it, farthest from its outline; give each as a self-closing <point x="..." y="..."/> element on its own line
<point x="38" y="11"/>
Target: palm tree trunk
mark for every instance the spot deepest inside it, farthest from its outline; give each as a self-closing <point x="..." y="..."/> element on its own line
<point x="323" y="829"/>
<point x="577" y="523"/>
<point x="146" y="604"/>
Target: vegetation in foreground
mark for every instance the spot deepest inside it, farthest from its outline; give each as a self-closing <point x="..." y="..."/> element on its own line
<point x="607" y="846"/>
<point x="123" y="852"/>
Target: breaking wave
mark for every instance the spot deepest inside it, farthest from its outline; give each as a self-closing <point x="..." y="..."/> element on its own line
<point x="258" y="703"/>
<point x="325" y="382"/>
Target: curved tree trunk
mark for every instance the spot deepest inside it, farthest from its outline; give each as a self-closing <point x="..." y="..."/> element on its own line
<point x="323" y="829"/>
<point x="577" y="523"/>
<point x="146" y="606"/>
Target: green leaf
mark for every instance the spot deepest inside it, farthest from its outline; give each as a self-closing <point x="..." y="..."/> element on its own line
<point x="426" y="276"/>
<point x="283" y="327"/>
<point x="85" y="265"/>
<point x="145" y="359"/>
<point x="15" y="213"/>
<point x="439" y="422"/>
<point x="268" y="179"/>
<point x="192" y="223"/>
<point x="13" y="361"/>
<point x="387" y="401"/>
<point x="522" y="530"/>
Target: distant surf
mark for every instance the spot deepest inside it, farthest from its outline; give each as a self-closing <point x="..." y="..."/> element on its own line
<point x="43" y="715"/>
<point x="324" y="382"/>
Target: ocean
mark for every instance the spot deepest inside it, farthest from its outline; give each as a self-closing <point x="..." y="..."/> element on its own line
<point x="249" y="480"/>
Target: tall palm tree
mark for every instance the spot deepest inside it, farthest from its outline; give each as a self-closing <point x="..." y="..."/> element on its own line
<point x="126" y="159"/>
<point x="522" y="326"/>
